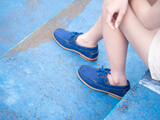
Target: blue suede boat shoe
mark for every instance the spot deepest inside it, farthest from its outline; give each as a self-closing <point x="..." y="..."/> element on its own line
<point x="96" y="79"/>
<point x="67" y="40"/>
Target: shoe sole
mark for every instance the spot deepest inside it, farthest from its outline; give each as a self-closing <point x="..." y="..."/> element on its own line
<point x="110" y="94"/>
<point x="83" y="56"/>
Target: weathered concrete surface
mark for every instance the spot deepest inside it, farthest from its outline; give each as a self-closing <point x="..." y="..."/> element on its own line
<point x="44" y="33"/>
<point x="42" y="84"/>
<point x="141" y="103"/>
<point x="20" y="18"/>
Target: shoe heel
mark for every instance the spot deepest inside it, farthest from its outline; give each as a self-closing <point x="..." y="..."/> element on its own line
<point x="115" y="96"/>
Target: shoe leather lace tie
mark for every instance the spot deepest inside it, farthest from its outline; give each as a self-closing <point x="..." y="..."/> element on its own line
<point x="103" y="72"/>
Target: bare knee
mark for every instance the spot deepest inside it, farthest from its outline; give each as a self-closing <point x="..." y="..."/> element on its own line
<point x="141" y="8"/>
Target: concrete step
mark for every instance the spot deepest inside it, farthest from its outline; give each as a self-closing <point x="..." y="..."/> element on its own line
<point x="141" y="103"/>
<point x="38" y="77"/>
<point x="19" y="19"/>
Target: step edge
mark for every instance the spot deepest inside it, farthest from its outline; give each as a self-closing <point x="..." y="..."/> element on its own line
<point x="126" y="95"/>
<point x="4" y="54"/>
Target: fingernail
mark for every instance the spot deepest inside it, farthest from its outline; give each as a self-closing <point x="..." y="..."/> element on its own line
<point x="116" y="25"/>
<point x="111" y="26"/>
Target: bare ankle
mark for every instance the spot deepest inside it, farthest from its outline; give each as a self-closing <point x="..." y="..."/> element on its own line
<point x="83" y="41"/>
<point x="117" y="81"/>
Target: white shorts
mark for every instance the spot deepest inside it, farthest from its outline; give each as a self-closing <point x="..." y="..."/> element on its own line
<point x="154" y="57"/>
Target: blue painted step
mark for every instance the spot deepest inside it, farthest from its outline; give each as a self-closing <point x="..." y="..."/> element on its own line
<point x="141" y="103"/>
<point x="20" y="18"/>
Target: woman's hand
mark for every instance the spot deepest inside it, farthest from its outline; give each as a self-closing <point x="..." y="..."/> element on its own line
<point x="113" y="11"/>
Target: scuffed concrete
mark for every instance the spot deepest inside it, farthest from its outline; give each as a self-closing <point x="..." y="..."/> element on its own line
<point x="41" y="83"/>
<point x="140" y="103"/>
<point x="20" y="18"/>
<point x="44" y="33"/>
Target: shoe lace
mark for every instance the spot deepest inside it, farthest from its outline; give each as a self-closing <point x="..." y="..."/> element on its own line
<point x="73" y="34"/>
<point x="102" y="73"/>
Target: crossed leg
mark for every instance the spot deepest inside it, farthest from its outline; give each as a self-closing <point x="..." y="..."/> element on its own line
<point x="116" y="43"/>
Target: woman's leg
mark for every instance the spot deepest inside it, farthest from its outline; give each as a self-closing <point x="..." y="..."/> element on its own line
<point x="116" y="45"/>
<point x="138" y="36"/>
<point x="142" y="8"/>
<point x="116" y="49"/>
<point x="91" y="38"/>
<point x="116" y="54"/>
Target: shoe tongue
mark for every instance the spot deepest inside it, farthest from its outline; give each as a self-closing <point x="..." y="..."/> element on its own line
<point x="73" y="34"/>
<point x="72" y="38"/>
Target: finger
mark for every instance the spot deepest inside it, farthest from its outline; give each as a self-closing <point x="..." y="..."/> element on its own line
<point x="109" y="19"/>
<point x="119" y="19"/>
